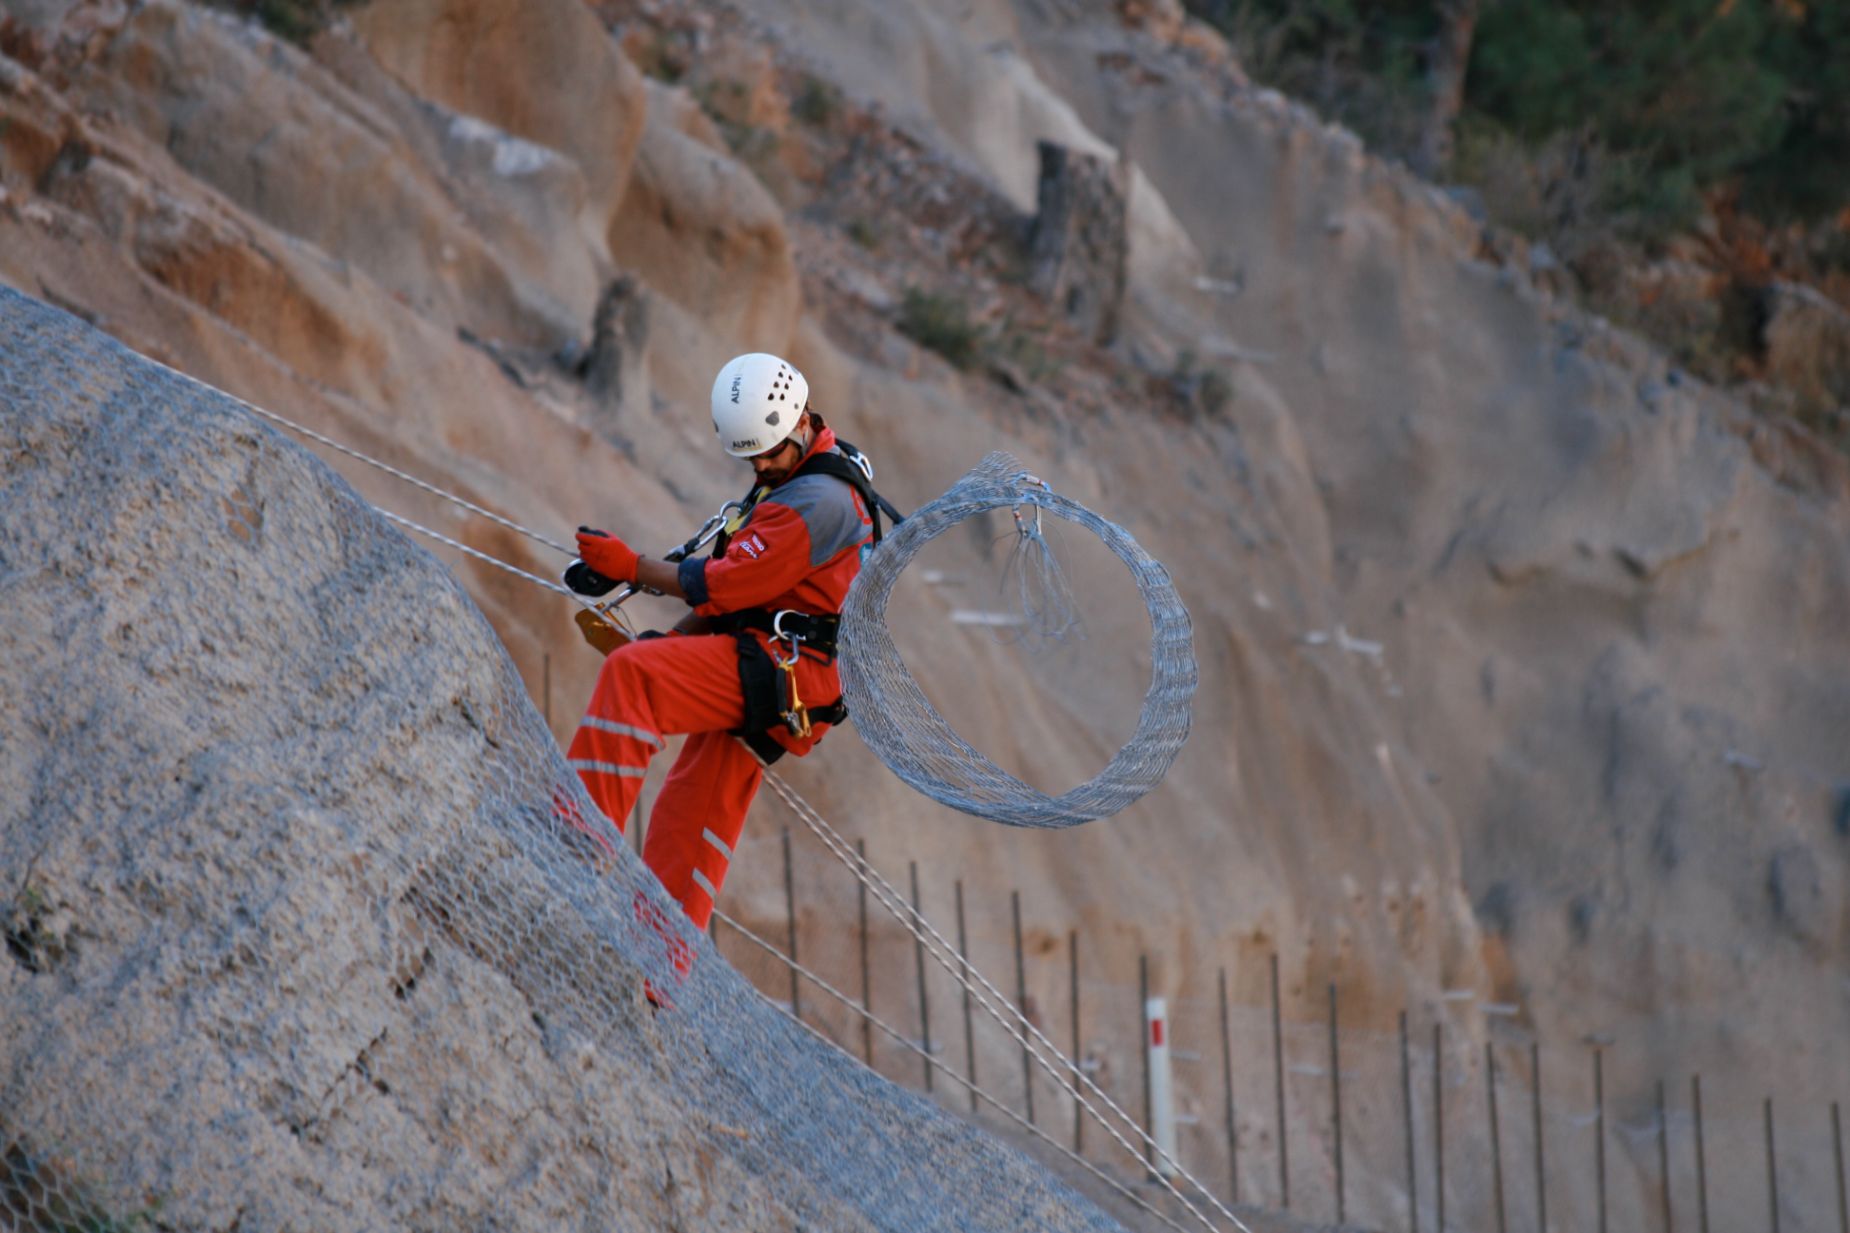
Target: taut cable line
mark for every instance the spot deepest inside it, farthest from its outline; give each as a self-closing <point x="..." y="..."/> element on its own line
<point x="1030" y="1037"/>
<point x="906" y="1042"/>
<point x="951" y="961"/>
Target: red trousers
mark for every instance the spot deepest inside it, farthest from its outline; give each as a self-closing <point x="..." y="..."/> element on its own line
<point x="647" y="691"/>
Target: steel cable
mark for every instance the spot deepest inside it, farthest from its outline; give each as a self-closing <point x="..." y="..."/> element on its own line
<point x="901" y="1039"/>
<point x="951" y="960"/>
<point x="1163" y="725"/>
<point x="462" y="502"/>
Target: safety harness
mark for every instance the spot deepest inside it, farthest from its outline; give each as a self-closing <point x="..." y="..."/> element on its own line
<point x="850" y="466"/>
<point x="770" y="680"/>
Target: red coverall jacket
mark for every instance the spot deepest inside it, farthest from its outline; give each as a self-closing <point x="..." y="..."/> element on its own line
<point x="799" y="548"/>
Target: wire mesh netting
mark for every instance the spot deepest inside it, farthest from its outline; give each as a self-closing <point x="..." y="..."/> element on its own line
<point x="899" y="723"/>
<point x="307" y="922"/>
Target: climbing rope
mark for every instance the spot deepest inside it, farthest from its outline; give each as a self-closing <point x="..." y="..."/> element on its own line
<point x="996" y="482"/>
<point x="952" y="961"/>
<point x="393" y="471"/>
<point x="476" y="553"/>
<point x="906" y="1042"/>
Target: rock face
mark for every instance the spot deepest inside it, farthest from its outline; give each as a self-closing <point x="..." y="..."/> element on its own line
<point x="540" y="70"/>
<point x="1523" y="654"/>
<point x="1077" y="247"/>
<point x="1807" y="340"/>
<point x="295" y="937"/>
<point x="616" y="365"/>
<point x="455" y="210"/>
<point x="702" y="229"/>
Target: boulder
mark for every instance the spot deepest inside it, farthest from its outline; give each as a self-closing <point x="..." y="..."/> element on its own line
<point x="467" y="223"/>
<point x="542" y="70"/>
<point x="697" y="226"/>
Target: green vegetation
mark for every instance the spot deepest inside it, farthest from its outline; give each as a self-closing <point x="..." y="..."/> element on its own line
<point x="1693" y="94"/>
<point x="1207" y="390"/>
<point x="817" y="103"/>
<point x="864" y="232"/>
<point x="942" y="324"/>
<point x="1657" y="102"/>
<point x="1017" y="357"/>
<point x="294" y="21"/>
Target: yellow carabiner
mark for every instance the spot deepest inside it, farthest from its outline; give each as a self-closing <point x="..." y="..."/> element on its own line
<point x="797" y="717"/>
<point x="737" y="513"/>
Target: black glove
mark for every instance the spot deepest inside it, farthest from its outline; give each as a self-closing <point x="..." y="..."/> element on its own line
<point x="587" y="581"/>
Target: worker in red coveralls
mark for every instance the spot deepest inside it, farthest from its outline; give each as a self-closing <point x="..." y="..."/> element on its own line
<point x="749" y="674"/>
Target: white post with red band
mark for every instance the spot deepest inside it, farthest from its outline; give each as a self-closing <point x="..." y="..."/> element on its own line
<point x="1162" y="1085"/>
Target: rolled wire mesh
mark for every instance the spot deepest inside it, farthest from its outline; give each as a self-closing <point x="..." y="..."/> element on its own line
<point x="898" y="722"/>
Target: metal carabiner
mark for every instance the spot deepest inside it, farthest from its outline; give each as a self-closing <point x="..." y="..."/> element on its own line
<point x="796" y="717"/>
<point x="1021" y="527"/>
<point x="789" y="637"/>
<point x="794" y="714"/>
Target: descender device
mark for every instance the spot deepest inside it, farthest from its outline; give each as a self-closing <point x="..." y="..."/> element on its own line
<point x="600" y="598"/>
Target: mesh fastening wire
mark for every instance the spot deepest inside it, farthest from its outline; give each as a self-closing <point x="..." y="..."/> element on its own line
<point x="899" y="723"/>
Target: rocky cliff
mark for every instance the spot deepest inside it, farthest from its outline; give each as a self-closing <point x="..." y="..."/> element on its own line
<point x="1523" y="652"/>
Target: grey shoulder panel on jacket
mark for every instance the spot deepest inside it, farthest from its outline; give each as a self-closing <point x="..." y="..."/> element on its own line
<point x="829" y="509"/>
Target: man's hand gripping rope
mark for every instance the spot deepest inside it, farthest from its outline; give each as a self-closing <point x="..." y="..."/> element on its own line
<point x="606" y="562"/>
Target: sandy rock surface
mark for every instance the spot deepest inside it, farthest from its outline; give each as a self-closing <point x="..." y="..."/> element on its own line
<point x="1523" y="652"/>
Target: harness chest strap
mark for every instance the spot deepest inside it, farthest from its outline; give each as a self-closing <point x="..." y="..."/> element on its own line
<point x="771" y="699"/>
<point x="846" y="466"/>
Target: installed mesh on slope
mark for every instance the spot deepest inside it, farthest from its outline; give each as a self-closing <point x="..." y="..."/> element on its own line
<point x="308" y="924"/>
<point x="900" y="724"/>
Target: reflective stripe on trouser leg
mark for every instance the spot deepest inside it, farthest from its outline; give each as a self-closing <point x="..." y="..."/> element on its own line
<point x="646" y="690"/>
<point x="652" y="739"/>
<point x="695" y="825"/>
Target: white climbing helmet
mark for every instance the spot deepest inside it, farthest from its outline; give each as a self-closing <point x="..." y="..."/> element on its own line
<point x="757" y="401"/>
